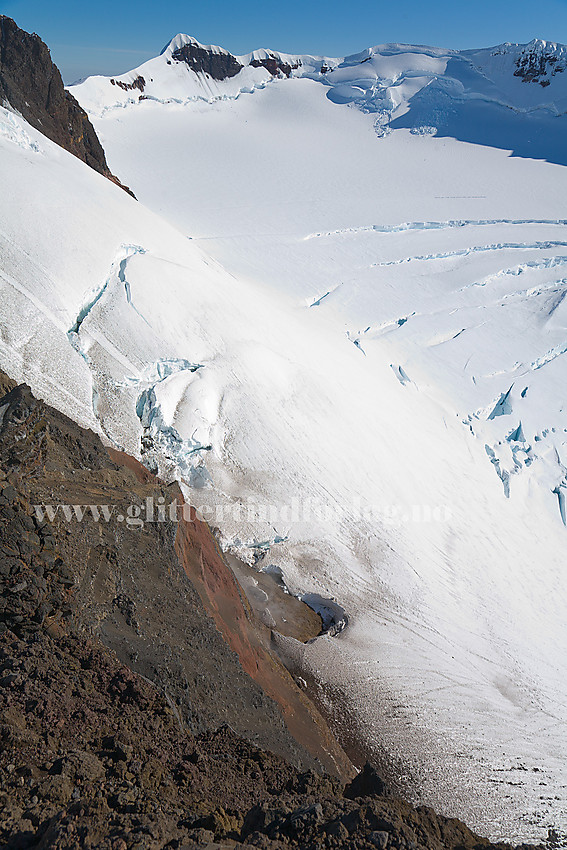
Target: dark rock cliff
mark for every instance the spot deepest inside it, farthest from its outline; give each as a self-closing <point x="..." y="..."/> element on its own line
<point x="221" y="66"/>
<point x="275" y="65"/>
<point x="31" y="84"/>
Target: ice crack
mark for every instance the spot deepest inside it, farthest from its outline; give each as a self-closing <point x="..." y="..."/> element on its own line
<point x="475" y="249"/>
<point x="407" y="226"/>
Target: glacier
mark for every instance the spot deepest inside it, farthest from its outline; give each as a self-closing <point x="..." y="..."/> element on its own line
<point x="416" y="416"/>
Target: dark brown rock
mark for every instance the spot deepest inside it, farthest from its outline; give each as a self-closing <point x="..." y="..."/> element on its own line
<point x="275" y="65"/>
<point x="32" y="85"/>
<point x="101" y="577"/>
<point x="537" y="63"/>
<point x="367" y="784"/>
<point x="139" y="83"/>
<point x="219" y="66"/>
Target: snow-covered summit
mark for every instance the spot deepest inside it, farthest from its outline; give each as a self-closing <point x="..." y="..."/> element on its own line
<point x="539" y="61"/>
<point x="182" y="39"/>
<point x="187" y="70"/>
<point x="429" y="90"/>
<point x="539" y="64"/>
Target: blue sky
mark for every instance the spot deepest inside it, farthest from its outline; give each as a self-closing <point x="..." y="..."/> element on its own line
<point x="112" y="36"/>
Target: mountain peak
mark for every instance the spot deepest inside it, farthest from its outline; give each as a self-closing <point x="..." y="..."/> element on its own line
<point x="209" y="59"/>
<point x="181" y="40"/>
<point x="387" y="79"/>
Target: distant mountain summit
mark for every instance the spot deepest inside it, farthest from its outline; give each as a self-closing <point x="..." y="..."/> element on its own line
<point x="187" y="69"/>
<point x="483" y="96"/>
<point x="219" y="64"/>
<point x="31" y="85"/>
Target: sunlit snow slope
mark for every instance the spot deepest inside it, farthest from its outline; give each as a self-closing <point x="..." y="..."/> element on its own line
<point x="378" y="354"/>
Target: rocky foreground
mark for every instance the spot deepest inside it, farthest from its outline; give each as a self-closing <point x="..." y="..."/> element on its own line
<point x="141" y="705"/>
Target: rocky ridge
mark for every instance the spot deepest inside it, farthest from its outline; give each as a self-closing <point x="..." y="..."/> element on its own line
<point x="31" y="85"/>
<point x="538" y="63"/>
<point x="220" y="65"/>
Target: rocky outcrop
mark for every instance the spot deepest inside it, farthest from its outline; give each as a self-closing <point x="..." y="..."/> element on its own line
<point x="219" y="65"/>
<point x="31" y="84"/>
<point x="225" y="601"/>
<point x="139" y="83"/>
<point x="538" y="63"/>
<point x="92" y="756"/>
<point x="275" y="65"/>
<point x="136" y="583"/>
<point x="6" y="384"/>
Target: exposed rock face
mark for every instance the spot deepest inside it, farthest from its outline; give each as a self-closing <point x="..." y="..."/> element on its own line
<point x="251" y="641"/>
<point x="6" y="384"/>
<point x="31" y="84"/>
<point x="139" y="83"/>
<point x="219" y="66"/>
<point x="275" y="65"/>
<point x="138" y="585"/>
<point x="367" y="784"/>
<point x="92" y="756"/>
<point x="538" y="63"/>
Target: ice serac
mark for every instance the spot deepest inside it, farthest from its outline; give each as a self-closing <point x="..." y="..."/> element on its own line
<point x="31" y="85"/>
